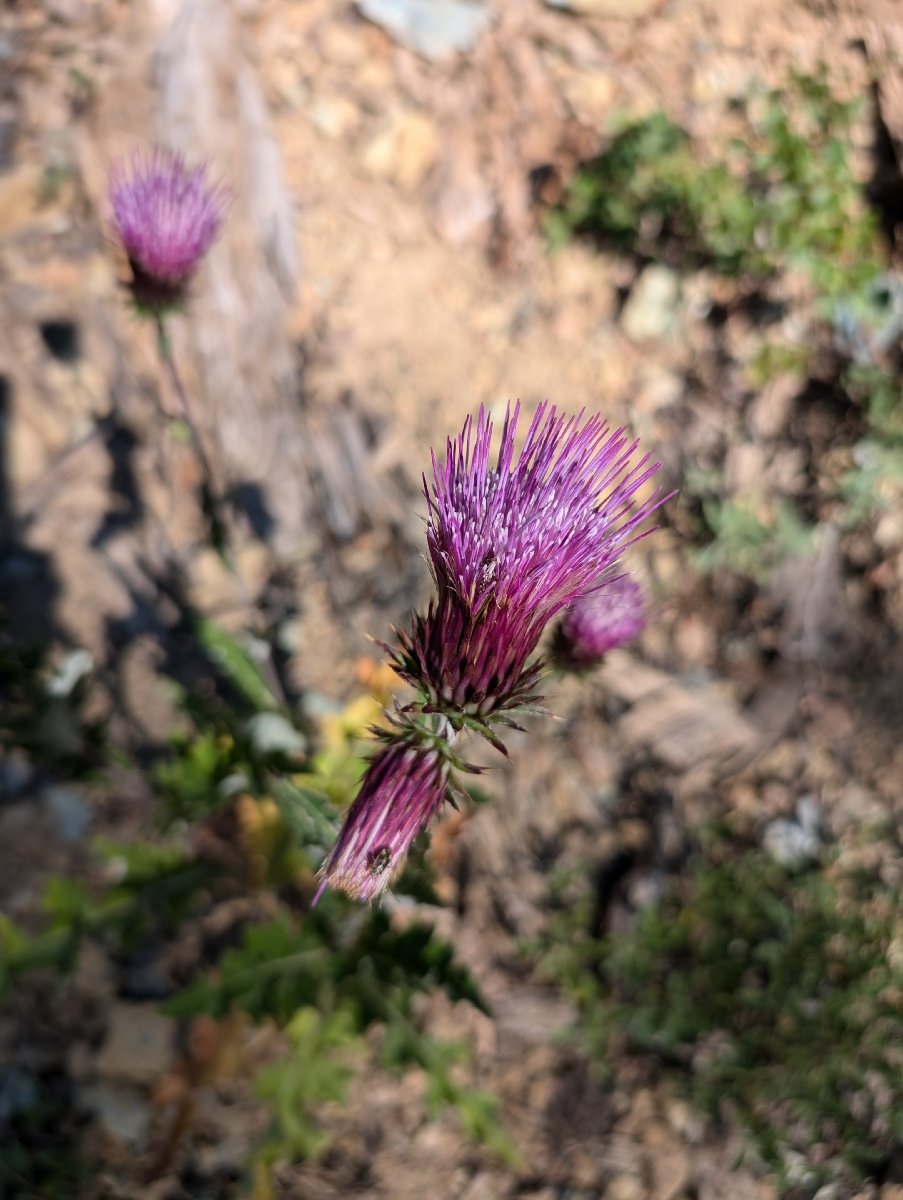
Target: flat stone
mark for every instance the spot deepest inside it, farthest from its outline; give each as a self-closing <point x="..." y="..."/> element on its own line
<point x="671" y="1171"/>
<point x="591" y="95"/>
<point x="435" y="29"/>
<point x="651" y="311"/>
<point x="484" y="1186"/>
<point x="272" y="733"/>
<point x="889" y="530"/>
<point x="71" y="813"/>
<point x="139" y="1044"/>
<point x="342" y="45"/>
<point x="121" y="1111"/>
<point x="618" y="10"/>
<point x="625" y="1187"/>
<point x="771" y="411"/>
<point x="684" y="727"/>
<point x="404" y="151"/>
<point x="335" y="116"/>
<point x="719" y="77"/>
<point x="789" y="844"/>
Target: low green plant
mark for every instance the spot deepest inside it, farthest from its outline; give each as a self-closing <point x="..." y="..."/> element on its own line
<point x="751" y="538"/>
<point x="40" y="1155"/>
<point x="768" y="997"/>
<point x="42" y="708"/>
<point x="783" y="192"/>
<point x="875" y="480"/>
<point x="325" y="1050"/>
<point x="247" y="808"/>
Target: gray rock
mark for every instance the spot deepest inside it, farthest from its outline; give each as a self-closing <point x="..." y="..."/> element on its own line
<point x="139" y="1045"/>
<point x="74" y="667"/>
<point x="809" y="815"/>
<point x="651" y="310"/>
<point x="70" y="811"/>
<point x="15" y="774"/>
<point x="435" y="29"/>
<point x="798" y="842"/>
<point x="121" y="1111"/>
<point x="829" y="1191"/>
<point x="272" y="733"/>
<point x="18" y="1093"/>
<point x="620" y="10"/>
<point x="317" y="705"/>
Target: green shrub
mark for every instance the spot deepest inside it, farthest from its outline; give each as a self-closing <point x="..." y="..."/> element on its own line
<point x="768" y="997"/>
<point x="784" y="193"/>
<point x="247" y="809"/>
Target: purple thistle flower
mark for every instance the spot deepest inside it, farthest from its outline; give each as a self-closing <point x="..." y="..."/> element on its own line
<point x="402" y="790"/>
<point x="167" y="215"/>
<point x="612" y="612"/>
<point x="513" y="544"/>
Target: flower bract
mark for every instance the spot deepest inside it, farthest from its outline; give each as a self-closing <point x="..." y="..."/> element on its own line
<point x="402" y="791"/>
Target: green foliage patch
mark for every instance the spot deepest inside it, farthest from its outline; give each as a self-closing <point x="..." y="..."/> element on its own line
<point x="784" y="193"/>
<point x="768" y="997"/>
<point x="42" y="708"/>
<point x="246" y="808"/>
<point x="39" y="1153"/>
<point x="749" y="543"/>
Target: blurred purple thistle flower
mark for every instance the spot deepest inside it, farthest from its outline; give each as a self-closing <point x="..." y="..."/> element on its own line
<point x="611" y="613"/>
<point x="513" y="544"/>
<point x="402" y="790"/>
<point x="167" y="216"/>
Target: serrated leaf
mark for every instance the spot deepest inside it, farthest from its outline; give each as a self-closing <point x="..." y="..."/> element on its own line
<point x="65" y="900"/>
<point x="278" y="968"/>
<point x="308" y="813"/>
<point x="323" y="1051"/>
<point x="237" y="664"/>
<point x="12" y="939"/>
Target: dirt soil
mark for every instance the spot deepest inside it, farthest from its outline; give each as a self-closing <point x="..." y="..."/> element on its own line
<point x="384" y="273"/>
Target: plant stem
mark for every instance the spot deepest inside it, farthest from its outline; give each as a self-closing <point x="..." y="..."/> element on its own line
<point x="164" y="349"/>
<point x="212" y="501"/>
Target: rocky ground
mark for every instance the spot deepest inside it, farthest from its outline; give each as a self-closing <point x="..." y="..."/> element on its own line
<point x="383" y="274"/>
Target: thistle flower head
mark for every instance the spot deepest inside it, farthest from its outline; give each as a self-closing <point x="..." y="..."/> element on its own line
<point x="166" y="215"/>
<point x="513" y="543"/>
<point x="402" y="791"/>
<point x="611" y="613"/>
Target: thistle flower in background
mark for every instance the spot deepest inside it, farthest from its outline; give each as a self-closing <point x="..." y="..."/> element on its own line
<point x="510" y="546"/>
<point x="611" y="613"/>
<point x="402" y="791"/>
<point x="167" y="216"/>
